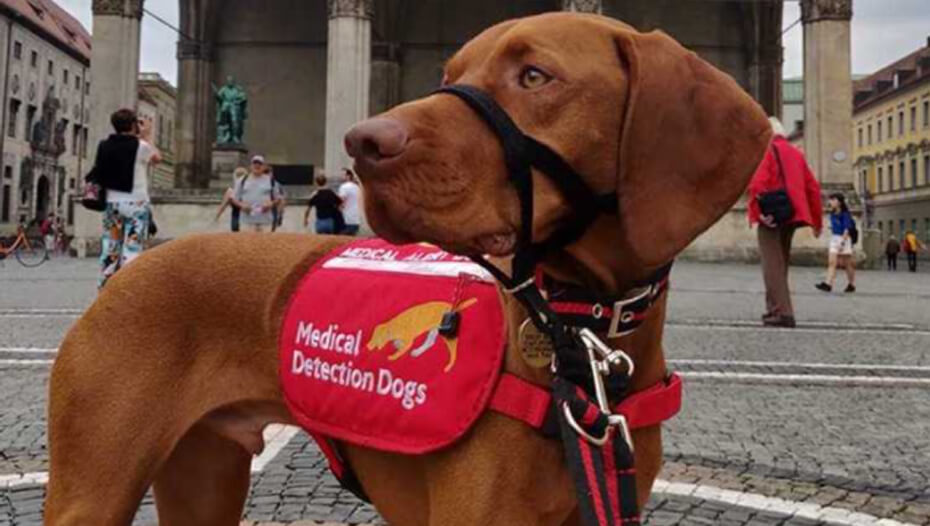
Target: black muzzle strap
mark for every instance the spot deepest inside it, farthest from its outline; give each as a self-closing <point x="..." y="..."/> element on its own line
<point x="522" y="153"/>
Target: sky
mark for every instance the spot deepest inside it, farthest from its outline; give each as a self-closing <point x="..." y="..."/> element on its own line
<point x="882" y="32"/>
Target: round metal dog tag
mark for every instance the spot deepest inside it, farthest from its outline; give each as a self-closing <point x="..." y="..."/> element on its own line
<point x="535" y="346"/>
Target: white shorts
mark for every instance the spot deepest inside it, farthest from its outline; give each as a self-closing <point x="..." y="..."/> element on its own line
<point x="841" y="246"/>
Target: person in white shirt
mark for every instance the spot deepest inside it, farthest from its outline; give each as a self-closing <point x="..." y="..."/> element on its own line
<point x="121" y="167"/>
<point x="351" y="194"/>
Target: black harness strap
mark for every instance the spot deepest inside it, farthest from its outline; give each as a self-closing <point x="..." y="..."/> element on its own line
<point x="602" y="467"/>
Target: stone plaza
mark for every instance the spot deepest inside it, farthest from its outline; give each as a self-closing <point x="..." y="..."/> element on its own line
<point x="828" y="423"/>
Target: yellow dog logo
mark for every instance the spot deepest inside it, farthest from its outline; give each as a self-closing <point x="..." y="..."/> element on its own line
<point x="405" y="328"/>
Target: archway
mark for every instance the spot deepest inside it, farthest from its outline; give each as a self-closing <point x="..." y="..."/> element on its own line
<point x="42" y="197"/>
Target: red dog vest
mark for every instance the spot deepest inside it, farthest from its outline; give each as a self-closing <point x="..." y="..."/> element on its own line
<point x="396" y="348"/>
<point x="399" y="348"/>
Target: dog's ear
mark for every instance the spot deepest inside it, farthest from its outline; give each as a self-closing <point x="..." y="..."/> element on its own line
<point x="691" y="139"/>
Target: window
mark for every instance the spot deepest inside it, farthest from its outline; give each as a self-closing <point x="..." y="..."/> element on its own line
<point x="7" y="172"/>
<point x="890" y="128"/>
<point x="926" y="113"/>
<point x="18" y="50"/>
<point x="878" y="131"/>
<point x="900" y="123"/>
<point x="914" y="226"/>
<point x="860" y="137"/>
<point x="901" y="175"/>
<point x="34" y="59"/>
<point x="51" y="67"/>
<point x="903" y="227"/>
<point x="913" y="118"/>
<point x="881" y="230"/>
<point x="926" y="169"/>
<point x="14" y="118"/>
<point x="84" y="142"/>
<point x="870" y="134"/>
<point x="75" y="139"/>
<point x="64" y="77"/>
<point x="5" y="205"/>
<point x="881" y="179"/>
<point x="914" y="172"/>
<point x="30" y="120"/>
<point x="77" y="82"/>
<point x="161" y="131"/>
<point x="890" y="177"/>
<point x="87" y="88"/>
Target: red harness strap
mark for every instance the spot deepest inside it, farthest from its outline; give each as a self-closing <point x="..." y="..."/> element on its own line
<point x="530" y="403"/>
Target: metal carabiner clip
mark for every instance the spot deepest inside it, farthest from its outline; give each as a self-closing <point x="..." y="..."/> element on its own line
<point x="614" y="357"/>
<point x="597" y="441"/>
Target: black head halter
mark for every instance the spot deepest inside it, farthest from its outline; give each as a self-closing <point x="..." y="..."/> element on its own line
<point x="522" y="153"/>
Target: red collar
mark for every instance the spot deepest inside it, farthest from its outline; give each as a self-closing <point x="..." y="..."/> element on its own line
<point x="613" y="316"/>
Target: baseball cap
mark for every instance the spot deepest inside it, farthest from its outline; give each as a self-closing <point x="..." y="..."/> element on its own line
<point x="258" y="159"/>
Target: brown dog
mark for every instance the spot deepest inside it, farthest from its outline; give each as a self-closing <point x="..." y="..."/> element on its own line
<point x="169" y="377"/>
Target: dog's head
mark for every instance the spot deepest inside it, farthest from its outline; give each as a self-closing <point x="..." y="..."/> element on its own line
<point x="634" y="113"/>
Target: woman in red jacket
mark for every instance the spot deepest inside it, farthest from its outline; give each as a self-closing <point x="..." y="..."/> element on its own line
<point x="784" y="166"/>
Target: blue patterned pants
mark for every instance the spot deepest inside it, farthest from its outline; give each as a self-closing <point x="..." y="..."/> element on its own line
<point x="125" y="229"/>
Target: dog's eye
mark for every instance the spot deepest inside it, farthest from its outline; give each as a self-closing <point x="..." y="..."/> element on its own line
<point x="532" y="78"/>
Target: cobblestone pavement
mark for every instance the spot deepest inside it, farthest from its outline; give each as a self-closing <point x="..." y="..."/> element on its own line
<point x="825" y="424"/>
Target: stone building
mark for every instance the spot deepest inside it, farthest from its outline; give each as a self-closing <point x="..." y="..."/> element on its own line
<point x="891" y="134"/>
<point x="312" y="68"/>
<point x="44" y="67"/>
<point x="157" y="102"/>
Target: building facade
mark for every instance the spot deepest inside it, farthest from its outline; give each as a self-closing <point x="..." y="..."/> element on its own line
<point x="44" y="62"/>
<point x="157" y="102"/>
<point x="891" y="137"/>
<point x="312" y="68"/>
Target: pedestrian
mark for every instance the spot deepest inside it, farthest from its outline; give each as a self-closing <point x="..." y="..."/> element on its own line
<point x="329" y="219"/>
<point x="912" y="247"/>
<point x="281" y="205"/>
<point x="121" y="167"/>
<point x="350" y="193"/>
<point x="61" y="237"/>
<point x="785" y="172"/>
<point x="892" y="248"/>
<point x="257" y="197"/>
<point x="238" y="175"/>
<point x="47" y="229"/>
<point x="841" y="243"/>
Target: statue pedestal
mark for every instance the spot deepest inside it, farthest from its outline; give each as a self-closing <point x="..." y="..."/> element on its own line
<point x="226" y="158"/>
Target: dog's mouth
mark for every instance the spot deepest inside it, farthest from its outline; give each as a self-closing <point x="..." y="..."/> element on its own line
<point x="501" y="244"/>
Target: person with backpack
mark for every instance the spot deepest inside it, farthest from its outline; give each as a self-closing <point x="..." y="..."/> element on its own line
<point x="783" y="196"/>
<point x="912" y="246"/>
<point x="121" y="170"/>
<point x="844" y="236"/>
<point x="329" y="219"/>
<point x="257" y="196"/>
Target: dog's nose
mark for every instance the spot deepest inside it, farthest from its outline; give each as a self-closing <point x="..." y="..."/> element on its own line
<point x="376" y="139"/>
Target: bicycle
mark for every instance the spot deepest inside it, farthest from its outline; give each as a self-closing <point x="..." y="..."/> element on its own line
<point x="29" y="252"/>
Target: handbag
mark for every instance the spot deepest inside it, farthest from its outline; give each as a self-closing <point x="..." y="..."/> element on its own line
<point x="776" y="203"/>
<point x="94" y="195"/>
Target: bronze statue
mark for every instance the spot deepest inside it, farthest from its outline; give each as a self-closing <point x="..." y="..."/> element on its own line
<point x="231" y="112"/>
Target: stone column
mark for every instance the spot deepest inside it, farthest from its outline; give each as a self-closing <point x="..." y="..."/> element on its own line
<point x="194" y="132"/>
<point x="114" y="73"/>
<point x="114" y="63"/>
<point x="828" y="90"/>
<point x="348" y="73"/>
<point x="385" y="77"/>
<point x="583" y="6"/>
